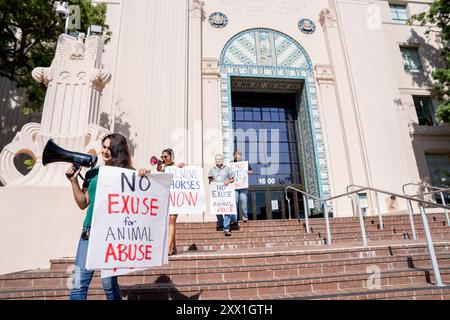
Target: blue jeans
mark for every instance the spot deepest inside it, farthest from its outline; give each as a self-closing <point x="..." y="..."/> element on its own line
<point x="225" y="221"/>
<point x="241" y="201"/>
<point x="82" y="278"/>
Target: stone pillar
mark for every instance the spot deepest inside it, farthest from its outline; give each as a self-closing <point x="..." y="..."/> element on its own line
<point x="194" y="107"/>
<point x="212" y="135"/>
<point x="334" y="135"/>
<point x="70" y="114"/>
<point x="378" y="139"/>
<point x="354" y="153"/>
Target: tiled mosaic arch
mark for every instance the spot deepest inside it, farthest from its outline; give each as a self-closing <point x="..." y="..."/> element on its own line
<point x="268" y="53"/>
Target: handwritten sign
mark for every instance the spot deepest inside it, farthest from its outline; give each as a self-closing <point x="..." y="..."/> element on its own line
<point x="223" y="199"/>
<point x="129" y="223"/>
<point x="240" y="170"/>
<point x="187" y="191"/>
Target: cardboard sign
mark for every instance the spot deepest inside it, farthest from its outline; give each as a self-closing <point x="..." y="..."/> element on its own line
<point x="223" y="199"/>
<point x="129" y="223"/>
<point x="187" y="191"/>
<point x="240" y="170"/>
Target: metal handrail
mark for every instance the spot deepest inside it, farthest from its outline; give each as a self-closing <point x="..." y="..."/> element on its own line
<point x="420" y="185"/>
<point x="431" y="192"/>
<point x="437" y="190"/>
<point x="406" y="197"/>
<point x="305" y="193"/>
<point x="305" y="205"/>
<point x="391" y="193"/>
<point x="377" y="204"/>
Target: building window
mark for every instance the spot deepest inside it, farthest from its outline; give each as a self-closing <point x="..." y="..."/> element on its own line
<point x="425" y="111"/>
<point x="399" y="13"/>
<point x="439" y="170"/>
<point x="411" y="59"/>
<point x="274" y="114"/>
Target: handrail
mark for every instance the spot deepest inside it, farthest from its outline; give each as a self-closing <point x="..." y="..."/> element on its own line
<point x="420" y="185"/>
<point x="353" y="185"/>
<point x="438" y="190"/>
<point x="377" y="204"/>
<point x="305" y="206"/>
<point x="375" y="190"/>
<point x="428" y="237"/>
<point x="303" y="192"/>
<point x="431" y="192"/>
<point x="388" y="192"/>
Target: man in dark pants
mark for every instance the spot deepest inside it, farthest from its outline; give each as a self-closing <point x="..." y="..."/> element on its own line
<point x="242" y="194"/>
<point x="222" y="174"/>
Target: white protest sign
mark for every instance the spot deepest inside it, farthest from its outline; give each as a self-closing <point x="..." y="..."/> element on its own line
<point x="223" y="199"/>
<point x="240" y="170"/>
<point x="187" y="191"/>
<point x="129" y="223"/>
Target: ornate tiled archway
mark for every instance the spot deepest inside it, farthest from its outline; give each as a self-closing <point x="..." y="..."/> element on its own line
<point x="270" y="54"/>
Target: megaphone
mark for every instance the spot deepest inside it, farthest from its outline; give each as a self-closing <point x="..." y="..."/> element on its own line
<point x="54" y="153"/>
<point x="155" y="161"/>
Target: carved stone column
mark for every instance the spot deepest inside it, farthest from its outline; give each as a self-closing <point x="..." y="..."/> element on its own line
<point x="334" y="136"/>
<point x="343" y="95"/>
<point x="70" y="115"/>
<point x="194" y="107"/>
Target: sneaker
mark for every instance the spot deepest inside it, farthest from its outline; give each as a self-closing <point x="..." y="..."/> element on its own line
<point x="244" y="220"/>
<point x="227" y="233"/>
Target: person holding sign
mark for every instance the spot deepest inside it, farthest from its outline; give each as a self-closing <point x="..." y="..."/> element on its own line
<point x="115" y="152"/>
<point x="242" y="194"/>
<point x="167" y="157"/>
<point x="222" y="174"/>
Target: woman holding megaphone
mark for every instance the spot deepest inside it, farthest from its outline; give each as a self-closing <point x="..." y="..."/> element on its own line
<point x="167" y="160"/>
<point x="115" y="152"/>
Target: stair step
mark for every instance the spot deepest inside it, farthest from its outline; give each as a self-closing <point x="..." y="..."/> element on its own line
<point x="272" y="260"/>
<point x="246" y="289"/>
<point x="243" y="273"/>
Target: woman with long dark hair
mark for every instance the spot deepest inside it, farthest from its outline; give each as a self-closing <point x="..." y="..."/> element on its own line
<point x="167" y="160"/>
<point x="114" y="153"/>
<point x="168" y="157"/>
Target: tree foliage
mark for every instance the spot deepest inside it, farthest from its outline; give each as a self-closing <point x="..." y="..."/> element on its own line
<point x="439" y="14"/>
<point x="29" y="32"/>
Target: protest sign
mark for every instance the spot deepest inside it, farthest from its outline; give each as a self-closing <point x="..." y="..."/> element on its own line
<point x="129" y="223"/>
<point x="240" y="170"/>
<point x="222" y="199"/>
<point x="187" y="191"/>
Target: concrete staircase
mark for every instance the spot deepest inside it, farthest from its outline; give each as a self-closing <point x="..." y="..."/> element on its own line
<point x="274" y="260"/>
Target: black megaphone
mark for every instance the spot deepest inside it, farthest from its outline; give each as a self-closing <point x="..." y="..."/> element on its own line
<point x="54" y="153"/>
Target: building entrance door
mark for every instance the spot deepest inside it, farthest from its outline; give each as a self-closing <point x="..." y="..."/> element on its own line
<point x="266" y="132"/>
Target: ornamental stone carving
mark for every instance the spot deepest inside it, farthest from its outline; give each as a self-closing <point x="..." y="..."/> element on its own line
<point x="70" y="114"/>
<point x="328" y="18"/>
<point x="324" y="73"/>
<point x="196" y="8"/>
